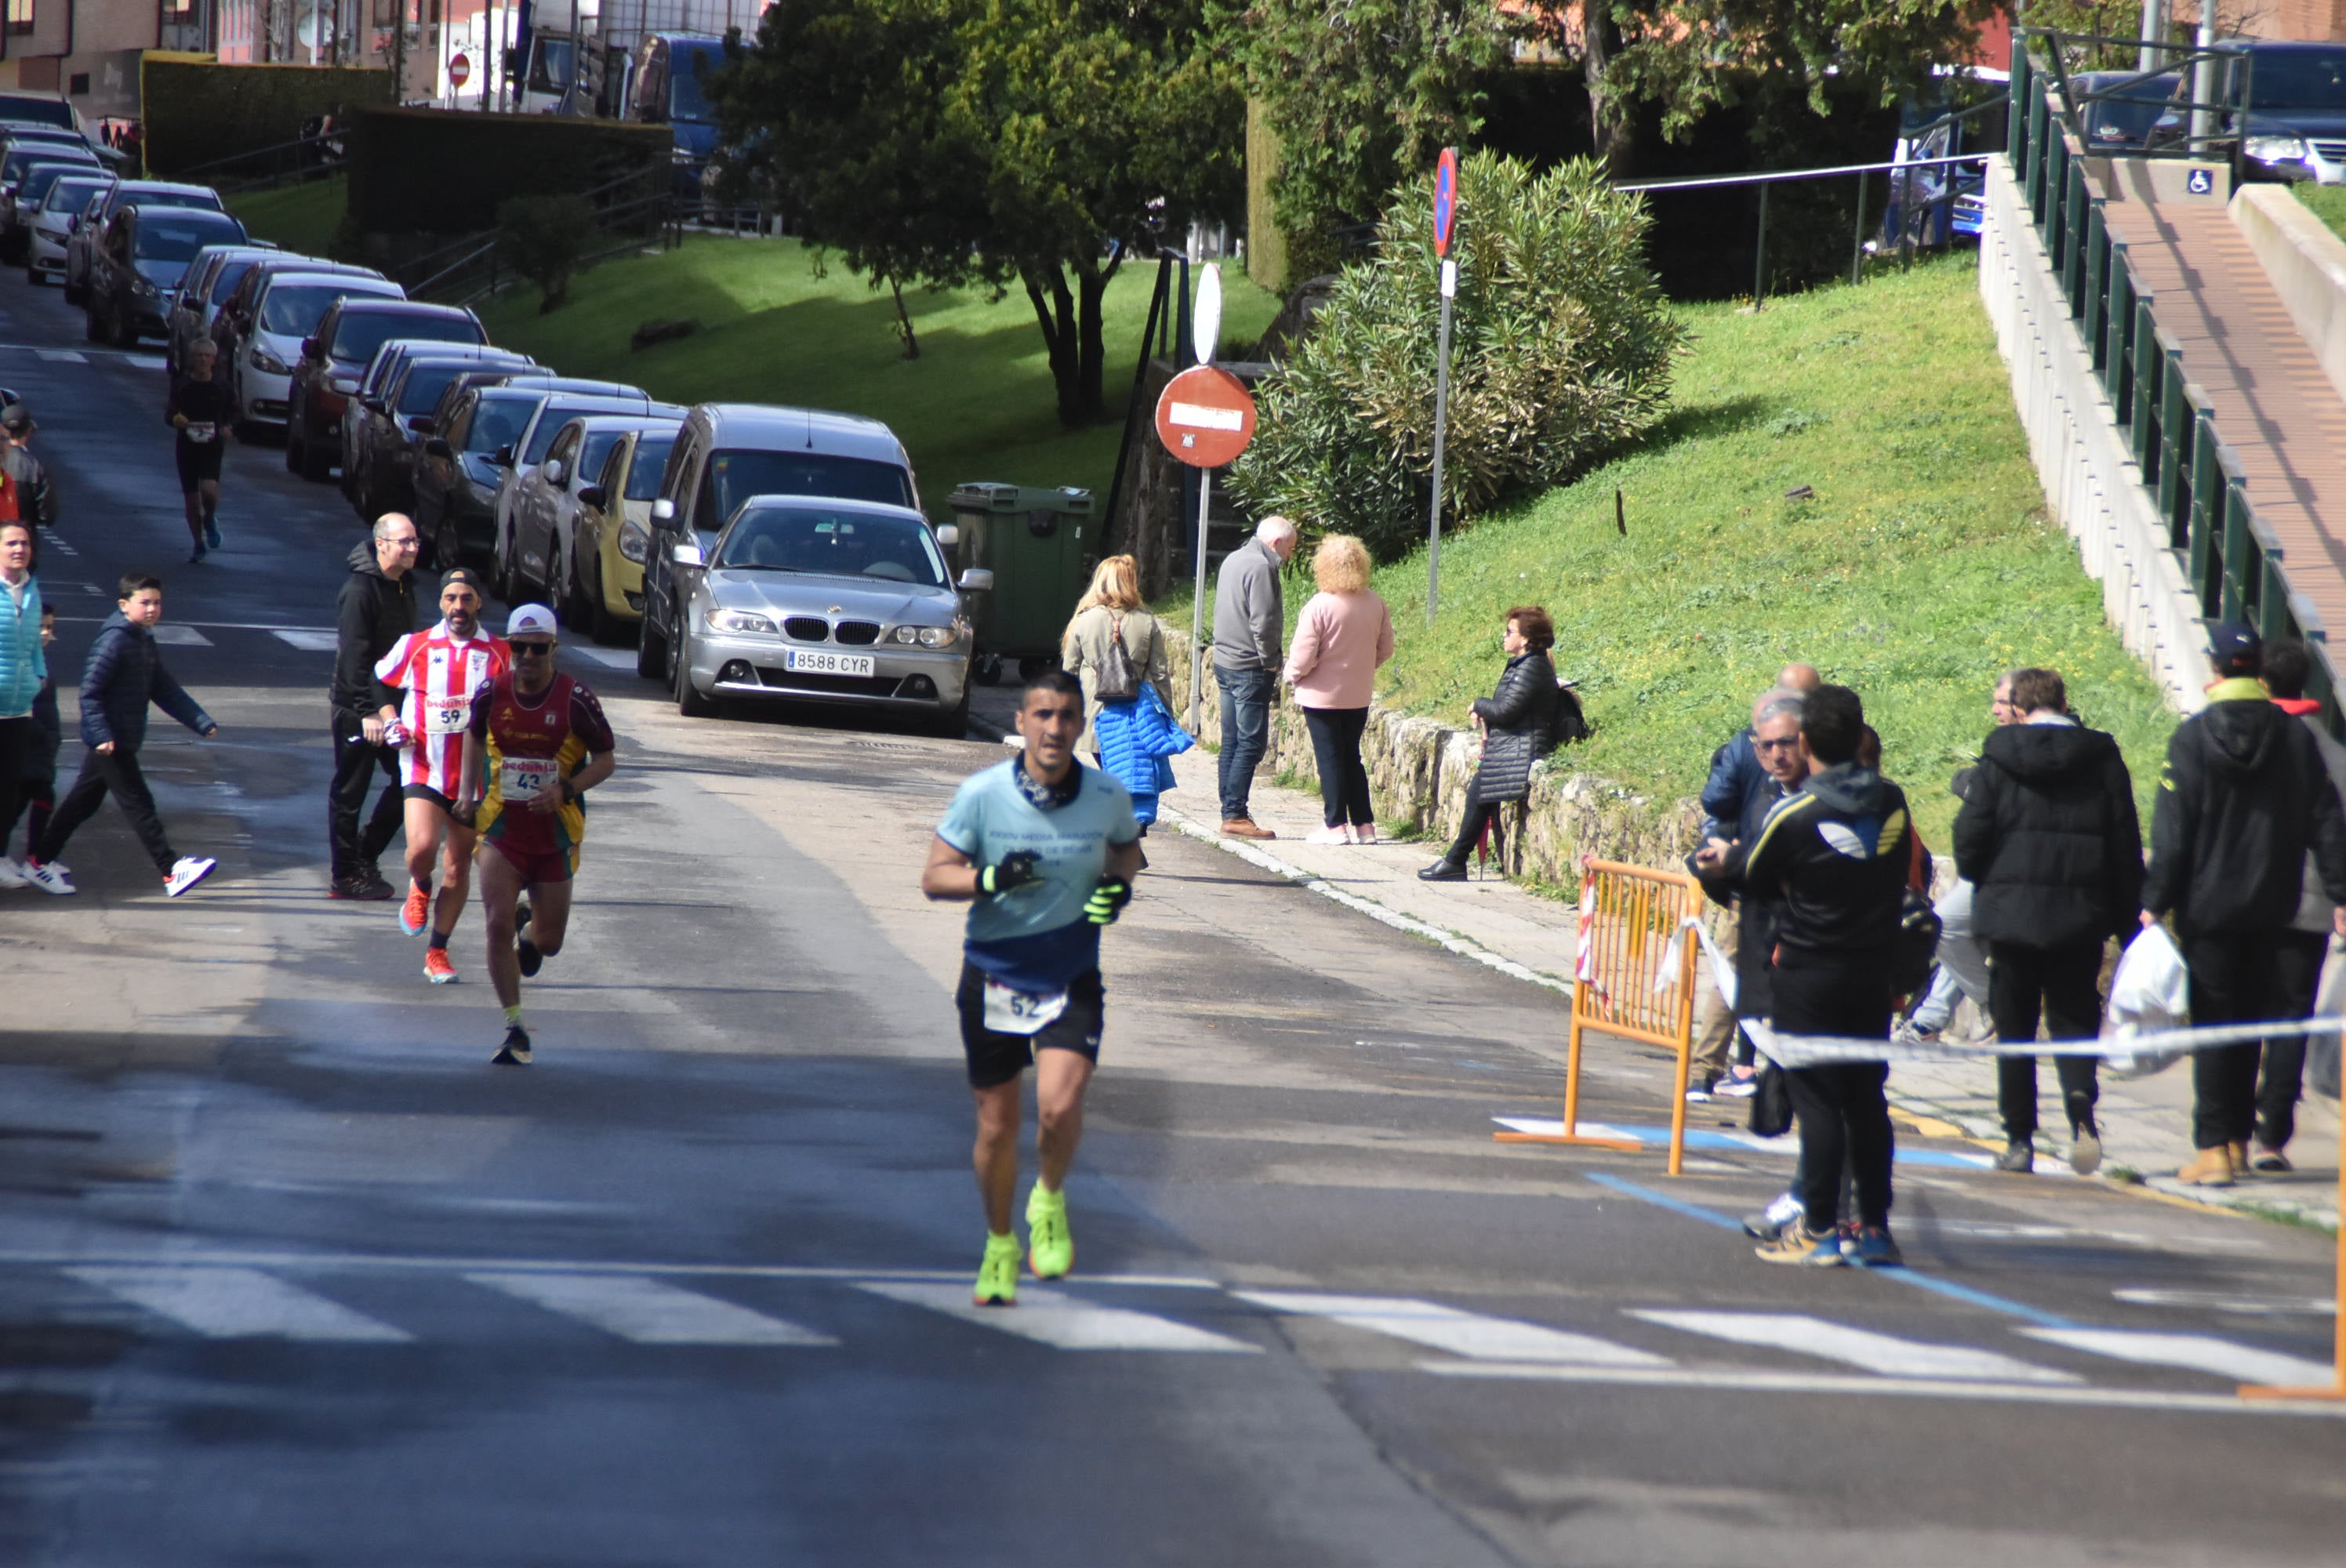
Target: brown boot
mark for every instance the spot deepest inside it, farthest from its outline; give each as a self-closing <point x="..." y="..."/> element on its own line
<point x="2212" y="1168"/>
<point x="1244" y="828"/>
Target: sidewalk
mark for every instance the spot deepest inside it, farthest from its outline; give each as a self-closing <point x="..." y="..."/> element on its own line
<point x="2146" y="1123"/>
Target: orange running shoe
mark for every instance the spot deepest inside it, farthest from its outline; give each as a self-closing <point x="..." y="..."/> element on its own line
<point x="437" y="967"/>
<point x="416" y="911"/>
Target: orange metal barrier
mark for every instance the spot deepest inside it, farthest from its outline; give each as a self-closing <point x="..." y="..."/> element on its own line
<point x="1631" y="978"/>
<point x="2336" y="1388"/>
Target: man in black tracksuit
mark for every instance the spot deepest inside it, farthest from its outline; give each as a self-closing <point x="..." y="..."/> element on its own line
<point x="2242" y="799"/>
<point x="376" y="608"/>
<point x="1835" y="857"/>
<point x="2049" y="839"/>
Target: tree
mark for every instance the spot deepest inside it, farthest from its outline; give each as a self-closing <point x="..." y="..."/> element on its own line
<point x="1564" y="349"/>
<point x="1362" y="94"/>
<point x="995" y="141"/>
<point x="542" y="237"/>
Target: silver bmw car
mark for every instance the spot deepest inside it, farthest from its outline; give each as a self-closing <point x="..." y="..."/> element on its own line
<point x="816" y="599"/>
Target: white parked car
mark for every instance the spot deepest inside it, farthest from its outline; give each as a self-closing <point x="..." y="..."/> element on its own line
<point x="286" y="309"/>
<point x="50" y="226"/>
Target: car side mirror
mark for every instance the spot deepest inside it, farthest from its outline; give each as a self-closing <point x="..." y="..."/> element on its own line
<point x="502" y="457"/>
<point x="551" y="470"/>
<point x="435" y="447"/>
<point x="591" y="495"/>
<point x="73" y="224"/>
<point x="684" y="553"/>
<point x="663" y="512"/>
<point x="948" y="535"/>
<point x="977" y="580"/>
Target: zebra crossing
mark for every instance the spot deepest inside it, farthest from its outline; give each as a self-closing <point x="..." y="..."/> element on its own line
<point x="656" y="1306"/>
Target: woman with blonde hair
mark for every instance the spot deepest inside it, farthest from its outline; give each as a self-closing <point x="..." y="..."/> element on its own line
<point x="1343" y="635"/>
<point x="1117" y="650"/>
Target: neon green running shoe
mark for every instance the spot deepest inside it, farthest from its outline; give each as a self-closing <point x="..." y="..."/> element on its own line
<point x="1050" y="1249"/>
<point x="997" y="1276"/>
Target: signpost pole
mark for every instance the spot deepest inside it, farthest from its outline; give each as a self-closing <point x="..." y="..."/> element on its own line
<point x="1441" y="428"/>
<point x="1445" y="222"/>
<point x="1197" y="603"/>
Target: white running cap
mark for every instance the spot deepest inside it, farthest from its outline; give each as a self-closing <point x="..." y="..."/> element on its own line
<point x="530" y="618"/>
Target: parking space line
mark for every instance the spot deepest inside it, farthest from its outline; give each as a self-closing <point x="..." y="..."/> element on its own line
<point x="2192" y="1352"/>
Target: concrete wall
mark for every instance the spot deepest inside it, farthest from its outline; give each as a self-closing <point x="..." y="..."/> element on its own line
<point x="2092" y="488"/>
<point x="1419" y="769"/>
<point x="2306" y="264"/>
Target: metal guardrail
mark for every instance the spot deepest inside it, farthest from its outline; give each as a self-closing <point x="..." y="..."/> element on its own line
<point x="2232" y="558"/>
<point x="293" y="162"/>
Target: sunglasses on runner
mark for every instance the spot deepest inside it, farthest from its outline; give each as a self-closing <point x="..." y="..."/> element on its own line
<point x="531" y="650"/>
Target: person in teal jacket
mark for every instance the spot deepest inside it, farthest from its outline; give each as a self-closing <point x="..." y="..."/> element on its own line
<point x="22" y="668"/>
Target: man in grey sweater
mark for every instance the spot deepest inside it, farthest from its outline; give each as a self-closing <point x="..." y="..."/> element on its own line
<point x="1249" y="622"/>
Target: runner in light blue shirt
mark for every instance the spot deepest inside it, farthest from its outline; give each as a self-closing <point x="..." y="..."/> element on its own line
<point x="1046" y="849"/>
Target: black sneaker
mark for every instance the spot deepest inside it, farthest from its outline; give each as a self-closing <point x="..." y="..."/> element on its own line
<point x="2019" y="1156"/>
<point x="1698" y="1089"/>
<point x="212" y="533"/>
<point x="515" y="1051"/>
<point x="1442" y="870"/>
<point x="365" y="885"/>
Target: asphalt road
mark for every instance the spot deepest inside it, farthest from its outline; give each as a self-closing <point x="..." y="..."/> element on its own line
<point x="289" y="1275"/>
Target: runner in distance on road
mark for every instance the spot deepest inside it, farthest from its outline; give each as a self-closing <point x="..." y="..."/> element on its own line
<point x="1045" y="850"/>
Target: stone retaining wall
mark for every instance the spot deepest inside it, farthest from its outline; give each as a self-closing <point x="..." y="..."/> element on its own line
<point x="1419" y="769"/>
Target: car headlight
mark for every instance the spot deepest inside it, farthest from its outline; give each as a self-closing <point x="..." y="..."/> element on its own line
<point x="2276" y="148"/>
<point x="143" y="290"/>
<point x="740" y="621"/>
<point x="903" y="633"/>
<point x="634" y="541"/>
<point x="939" y="637"/>
<point x="262" y="360"/>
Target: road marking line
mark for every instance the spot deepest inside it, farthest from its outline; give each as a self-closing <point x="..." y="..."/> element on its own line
<point x="649" y="1312"/>
<point x="144" y="361"/>
<point x="306" y="641"/>
<point x="1924" y="1388"/>
<point x="2221" y="1301"/>
<point x="237" y="1304"/>
<point x="2193" y="1352"/>
<point x="62" y="356"/>
<point x="177" y="634"/>
<point x="1461" y="1333"/>
<point x="1054" y="1318"/>
<point x="1883" y="1353"/>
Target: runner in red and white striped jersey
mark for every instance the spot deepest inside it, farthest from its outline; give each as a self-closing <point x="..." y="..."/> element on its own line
<point x="437" y="671"/>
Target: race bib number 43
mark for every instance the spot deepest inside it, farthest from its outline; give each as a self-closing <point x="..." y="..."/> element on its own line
<point x="1013" y="1011"/>
<point x="520" y="779"/>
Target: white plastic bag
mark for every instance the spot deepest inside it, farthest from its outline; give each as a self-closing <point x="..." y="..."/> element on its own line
<point x="2151" y="992"/>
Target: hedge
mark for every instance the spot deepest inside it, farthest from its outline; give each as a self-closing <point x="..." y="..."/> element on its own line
<point x="446" y="172"/>
<point x="199" y="113"/>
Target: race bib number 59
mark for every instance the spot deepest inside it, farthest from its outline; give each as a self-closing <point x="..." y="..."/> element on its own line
<point x="448" y="715"/>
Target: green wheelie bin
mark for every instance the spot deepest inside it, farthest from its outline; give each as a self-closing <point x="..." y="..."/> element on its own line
<point x="1041" y="547"/>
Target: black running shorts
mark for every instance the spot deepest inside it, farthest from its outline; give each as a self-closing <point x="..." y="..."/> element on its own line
<point x="996" y="1058"/>
<point x="423" y="792"/>
<point x="198" y="460"/>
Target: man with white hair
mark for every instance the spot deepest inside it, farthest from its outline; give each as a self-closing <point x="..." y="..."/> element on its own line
<point x="375" y="608"/>
<point x="1250" y="623"/>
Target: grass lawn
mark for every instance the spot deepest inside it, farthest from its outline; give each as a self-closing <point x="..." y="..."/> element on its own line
<point x="300" y="218"/>
<point x="2327" y="202"/>
<point x="976" y="405"/>
<point x="1921" y="570"/>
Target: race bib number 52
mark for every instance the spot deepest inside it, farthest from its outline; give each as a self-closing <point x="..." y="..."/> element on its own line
<point x="1013" y="1011"/>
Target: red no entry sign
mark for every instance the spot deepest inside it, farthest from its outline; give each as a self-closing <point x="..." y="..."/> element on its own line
<point x="460" y="71"/>
<point x="1445" y="200"/>
<point x="1205" y="416"/>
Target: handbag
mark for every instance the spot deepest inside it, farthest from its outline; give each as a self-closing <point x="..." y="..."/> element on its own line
<point x="1117" y="679"/>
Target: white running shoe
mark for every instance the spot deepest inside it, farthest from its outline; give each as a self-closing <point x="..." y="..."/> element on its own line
<point x="187" y="872"/>
<point x="1329" y="836"/>
<point x="1364" y="832"/>
<point x="50" y="878"/>
<point x="12" y="875"/>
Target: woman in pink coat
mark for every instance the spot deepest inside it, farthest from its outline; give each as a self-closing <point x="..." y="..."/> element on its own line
<point x="1343" y="635"/>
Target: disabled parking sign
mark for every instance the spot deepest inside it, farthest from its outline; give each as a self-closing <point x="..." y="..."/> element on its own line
<point x="2200" y="182"/>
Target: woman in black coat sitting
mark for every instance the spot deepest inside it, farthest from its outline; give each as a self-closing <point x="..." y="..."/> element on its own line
<point x="1518" y="722"/>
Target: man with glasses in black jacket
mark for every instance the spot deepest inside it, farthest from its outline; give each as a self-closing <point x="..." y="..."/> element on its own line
<point x="376" y="609"/>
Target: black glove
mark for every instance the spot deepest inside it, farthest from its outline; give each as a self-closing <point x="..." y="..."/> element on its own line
<point x="1013" y="871"/>
<point x="1108" y="901"/>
